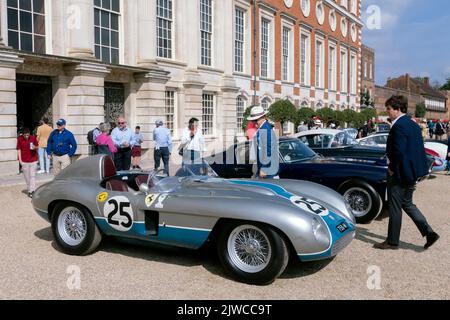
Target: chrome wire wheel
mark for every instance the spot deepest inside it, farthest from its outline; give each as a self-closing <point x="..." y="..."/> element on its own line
<point x="72" y="226"/>
<point x="249" y="248"/>
<point x="359" y="200"/>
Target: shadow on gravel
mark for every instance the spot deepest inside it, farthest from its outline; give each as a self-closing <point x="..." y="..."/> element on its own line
<point x="298" y="269"/>
<point x="44" y="234"/>
<point x="206" y="257"/>
<point x="364" y="235"/>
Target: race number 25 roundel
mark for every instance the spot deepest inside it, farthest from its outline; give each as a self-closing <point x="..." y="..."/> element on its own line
<point x="310" y="205"/>
<point x="118" y="213"/>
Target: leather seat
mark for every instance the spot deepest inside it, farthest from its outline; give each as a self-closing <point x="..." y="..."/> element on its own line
<point x="109" y="172"/>
<point x="117" y="185"/>
<point x="140" y="179"/>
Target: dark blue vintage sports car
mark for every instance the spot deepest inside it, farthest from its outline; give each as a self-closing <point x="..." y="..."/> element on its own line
<point x="362" y="182"/>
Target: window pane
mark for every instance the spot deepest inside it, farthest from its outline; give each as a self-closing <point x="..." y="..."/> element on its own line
<point x="114" y="39"/>
<point x="39" y="24"/>
<point x="39" y="44"/>
<point x="38" y="6"/>
<point x="115" y="5"/>
<point x="25" y="5"/>
<point x="115" y="22"/>
<point x="105" y="19"/>
<point x="97" y="3"/>
<point x="106" y="55"/>
<point x="115" y="56"/>
<point x="26" y="42"/>
<point x="97" y="35"/>
<point x="96" y="17"/>
<point x="105" y="37"/>
<point x="13" y="39"/>
<point x="25" y="21"/>
<point x="13" y="21"/>
<point x="106" y="4"/>
<point x="12" y="3"/>
<point x="97" y="52"/>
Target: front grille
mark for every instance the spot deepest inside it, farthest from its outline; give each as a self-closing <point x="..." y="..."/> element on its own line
<point x="342" y="243"/>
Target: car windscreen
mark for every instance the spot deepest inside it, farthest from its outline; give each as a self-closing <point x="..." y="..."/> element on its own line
<point x="317" y="140"/>
<point x="294" y="150"/>
<point x="197" y="169"/>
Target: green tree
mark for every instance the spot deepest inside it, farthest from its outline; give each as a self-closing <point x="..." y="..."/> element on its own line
<point x="305" y="114"/>
<point x="421" y="110"/>
<point x="446" y="86"/>
<point x="368" y="114"/>
<point x="326" y="115"/>
<point x="347" y="116"/>
<point x="283" y="111"/>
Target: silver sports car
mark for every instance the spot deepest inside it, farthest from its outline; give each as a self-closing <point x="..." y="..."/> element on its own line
<point x="255" y="225"/>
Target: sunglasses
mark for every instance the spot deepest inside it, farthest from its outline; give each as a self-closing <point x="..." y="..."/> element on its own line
<point x="121" y="122"/>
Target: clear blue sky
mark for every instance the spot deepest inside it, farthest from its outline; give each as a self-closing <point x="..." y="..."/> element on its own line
<point x="414" y="38"/>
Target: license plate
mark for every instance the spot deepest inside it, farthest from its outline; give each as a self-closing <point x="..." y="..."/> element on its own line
<point x="342" y="227"/>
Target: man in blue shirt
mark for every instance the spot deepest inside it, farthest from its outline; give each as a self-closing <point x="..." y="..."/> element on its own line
<point x="61" y="146"/>
<point x="163" y="145"/>
<point x="265" y="144"/>
<point x="121" y="137"/>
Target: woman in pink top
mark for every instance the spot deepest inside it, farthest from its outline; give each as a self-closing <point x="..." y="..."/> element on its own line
<point x="250" y="130"/>
<point x="104" y="141"/>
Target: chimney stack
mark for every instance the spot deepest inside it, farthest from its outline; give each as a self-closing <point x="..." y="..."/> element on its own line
<point x="426" y="80"/>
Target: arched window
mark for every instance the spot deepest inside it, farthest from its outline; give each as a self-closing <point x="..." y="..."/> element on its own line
<point x="240" y="109"/>
<point x="265" y="103"/>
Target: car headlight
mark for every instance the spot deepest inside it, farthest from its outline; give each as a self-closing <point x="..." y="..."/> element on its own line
<point x="350" y="214"/>
<point x="320" y="231"/>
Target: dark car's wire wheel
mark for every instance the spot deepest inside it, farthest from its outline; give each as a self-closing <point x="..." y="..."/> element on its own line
<point x="74" y="229"/>
<point x="363" y="199"/>
<point x="253" y="253"/>
<point x="359" y="200"/>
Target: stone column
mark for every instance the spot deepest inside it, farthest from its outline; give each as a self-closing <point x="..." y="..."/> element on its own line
<point x="146" y="33"/>
<point x="85" y="100"/>
<point x="227" y="111"/>
<point x="3" y="21"/>
<point x="150" y="103"/>
<point x="9" y="61"/>
<point x="80" y="27"/>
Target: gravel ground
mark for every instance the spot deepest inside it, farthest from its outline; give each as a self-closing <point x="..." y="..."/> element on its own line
<point x="31" y="267"/>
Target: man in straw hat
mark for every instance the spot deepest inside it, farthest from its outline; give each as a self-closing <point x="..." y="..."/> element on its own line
<point x="265" y="144"/>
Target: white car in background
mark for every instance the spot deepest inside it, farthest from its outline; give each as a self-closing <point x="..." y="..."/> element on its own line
<point x="375" y="140"/>
<point x="438" y="147"/>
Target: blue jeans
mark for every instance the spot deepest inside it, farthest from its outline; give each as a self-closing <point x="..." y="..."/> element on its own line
<point x="43" y="160"/>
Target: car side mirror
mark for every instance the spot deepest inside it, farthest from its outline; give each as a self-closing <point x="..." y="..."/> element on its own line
<point x="144" y="188"/>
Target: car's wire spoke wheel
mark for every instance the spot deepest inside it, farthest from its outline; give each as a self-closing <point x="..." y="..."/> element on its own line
<point x="359" y="200"/>
<point x="72" y="226"/>
<point x="249" y="248"/>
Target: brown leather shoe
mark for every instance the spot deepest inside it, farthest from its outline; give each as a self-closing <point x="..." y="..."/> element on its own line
<point x="385" y="246"/>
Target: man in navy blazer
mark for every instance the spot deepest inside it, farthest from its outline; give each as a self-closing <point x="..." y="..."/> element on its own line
<point x="407" y="164"/>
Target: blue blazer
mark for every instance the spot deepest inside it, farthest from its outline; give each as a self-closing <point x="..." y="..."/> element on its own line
<point x="267" y="150"/>
<point x="406" y="152"/>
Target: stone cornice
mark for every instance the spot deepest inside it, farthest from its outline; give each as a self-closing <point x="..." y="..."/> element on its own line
<point x="86" y="68"/>
<point x="10" y="59"/>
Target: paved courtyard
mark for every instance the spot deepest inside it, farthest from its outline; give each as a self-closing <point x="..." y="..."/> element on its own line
<point x="31" y="267"/>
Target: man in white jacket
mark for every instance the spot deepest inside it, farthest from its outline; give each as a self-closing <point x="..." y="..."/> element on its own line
<point x="192" y="143"/>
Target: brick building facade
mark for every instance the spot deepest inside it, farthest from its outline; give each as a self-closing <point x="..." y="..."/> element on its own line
<point x="418" y="90"/>
<point x="368" y="70"/>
